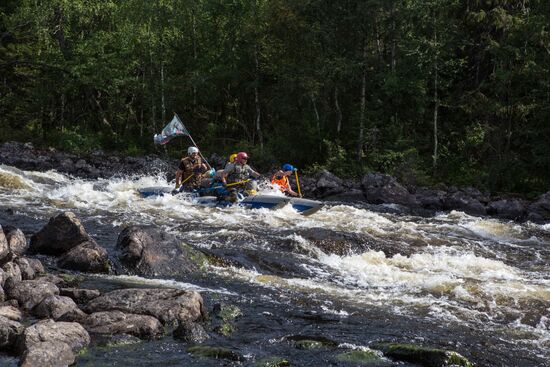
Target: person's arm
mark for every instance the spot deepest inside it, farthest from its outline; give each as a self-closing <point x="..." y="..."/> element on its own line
<point x="178" y="178"/>
<point x="253" y="173"/>
<point x="226" y="172"/>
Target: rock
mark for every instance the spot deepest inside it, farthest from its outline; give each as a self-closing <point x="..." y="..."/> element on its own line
<point x="4" y="247"/>
<point x="62" y="233"/>
<point x="327" y="184"/>
<point x="118" y="322"/>
<point x="27" y="271"/>
<point x="12" y="271"/>
<point x="2" y="294"/>
<point x="507" y="208"/>
<point x="363" y="357"/>
<point x="11" y="312"/>
<point x="87" y="257"/>
<point x="191" y="332"/>
<point x="3" y="277"/>
<point x="430" y="198"/>
<point x="350" y="195"/>
<point x="54" y="279"/>
<point x="539" y="211"/>
<point x="170" y="306"/>
<point x="79" y="295"/>
<point x="428" y="357"/>
<point x="272" y="362"/>
<point x="36" y="266"/>
<point x="54" y="307"/>
<point x="463" y="202"/>
<point x="70" y="333"/>
<point x="29" y="293"/>
<point x="16" y="240"/>
<point x="384" y="189"/>
<point x="10" y="330"/>
<point x="224" y="317"/>
<point x="150" y="251"/>
<point x="48" y="354"/>
<point x="215" y="352"/>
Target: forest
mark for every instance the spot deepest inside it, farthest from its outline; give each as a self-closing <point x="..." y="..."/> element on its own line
<point x="430" y="91"/>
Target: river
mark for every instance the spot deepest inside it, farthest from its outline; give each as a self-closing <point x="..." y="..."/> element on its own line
<point x="350" y="273"/>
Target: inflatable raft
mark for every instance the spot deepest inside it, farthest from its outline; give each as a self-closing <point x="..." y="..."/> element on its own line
<point x="303" y="206"/>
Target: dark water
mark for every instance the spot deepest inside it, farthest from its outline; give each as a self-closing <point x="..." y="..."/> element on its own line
<point x="352" y="276"/>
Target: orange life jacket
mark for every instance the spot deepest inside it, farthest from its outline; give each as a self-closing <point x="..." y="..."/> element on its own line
<point x="281" y="182"/>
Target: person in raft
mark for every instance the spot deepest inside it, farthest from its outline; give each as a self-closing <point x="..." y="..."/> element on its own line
<point x="190" y="170"/>
<point x="239" y="174"/>
<point x="280" y="178"/>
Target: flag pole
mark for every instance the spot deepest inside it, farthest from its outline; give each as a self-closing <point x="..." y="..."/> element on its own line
<point x="193" y="141"/>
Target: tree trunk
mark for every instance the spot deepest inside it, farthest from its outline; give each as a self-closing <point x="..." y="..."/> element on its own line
<point x="363" y="103"/>
<point x="317" y="118"/>
<point x="436" y="102"/>
<point x="162" y="92"/>
<point x="338" y="112"/>
<point x="257" y="101"/>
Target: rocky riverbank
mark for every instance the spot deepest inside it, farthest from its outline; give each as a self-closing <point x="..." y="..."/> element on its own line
<point x="46" y="319"/>
<point x="373" y="188"/>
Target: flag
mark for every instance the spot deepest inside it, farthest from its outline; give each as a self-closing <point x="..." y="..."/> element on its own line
<point x="170" y="131"/>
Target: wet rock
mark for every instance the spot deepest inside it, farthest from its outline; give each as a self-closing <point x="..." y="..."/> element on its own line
<point x="428" y="357"/>
<point x="12" y="271"/>
<point x="4" y="247"/>
<point x="170" y="306"/>
<point x="54" y="307"/>
<point x="57" y="280"/>
<point x="48" y="354"/>
<point x="191" y="332"/>
<point x="431" y="199"/>
<point x="311" y="342"/>
<point x="150" y="251"/>
<point x="118" y="322"/>
<point x="16" y="240"/>
<point x="27" y="271"/>
<point x="62" y="233"/>
<point x="87" y="257"/>
<point x="11" y="312"/>
<point x="507" y="208"/>
<point x="224" y="317"/>
<point x="462" y="201"/>
<point x="327" y="184"/>
<point x="539" y="211"/>
<point x="30" y="293"/>
<point x="10" y="330"/>
<point x="70" y="333"/>
<point x="215" y="352"/>
<point x="118" y="340"/>
<point x="382" y="189"/>
<point x="272" y="362"/>
<point x="79" y="295"/>
<point x="363" y="358"/>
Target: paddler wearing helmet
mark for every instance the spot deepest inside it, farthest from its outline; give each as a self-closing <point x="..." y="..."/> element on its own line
<point x="190" y="170"/>
<point x="280" y="178"/>
<point x="238" y="174"/>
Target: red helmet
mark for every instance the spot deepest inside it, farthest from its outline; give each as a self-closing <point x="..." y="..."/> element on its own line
<point x="241" y="156"/>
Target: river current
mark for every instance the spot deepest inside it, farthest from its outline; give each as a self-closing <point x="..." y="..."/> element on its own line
<point x="351" y="273"/>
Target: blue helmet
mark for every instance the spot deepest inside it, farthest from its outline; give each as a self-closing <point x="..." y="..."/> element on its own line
<point x="288" y="167"/>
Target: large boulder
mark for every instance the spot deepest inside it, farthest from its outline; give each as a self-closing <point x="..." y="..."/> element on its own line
<point x="70" y="333"/>
<point x="4" y="247"/>
<point x="384" y="189"/>
<point x="25" y="267"/>
<point x="55" y="307"/>
<point x="170" y="306"/>
<point x="11" y="312"/>
<point x="48" y="354"/>
<point x="118" y="322"/>
<point x="16" y="240"/>
<point x="539" y="211"/>
<point x="507" y="208"/>
<point x="12" y="270"/>
<point x="88" y="257"/>
<point x="9" y="332"/>
<point x="29" y="293"/>
<point x="191" y="332"/>
<point x="327" y="184"/>
<point x="153" y="252"/>
<point x="62" y="233"/>
<point x="80" y="295"/>
<point x="464" y="201"/>
<point x="431" y="199"/>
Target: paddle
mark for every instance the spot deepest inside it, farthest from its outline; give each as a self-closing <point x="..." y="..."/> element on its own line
<point x="298" y="183"/>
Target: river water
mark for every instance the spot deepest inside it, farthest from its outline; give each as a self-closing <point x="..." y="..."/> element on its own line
<point x="353" y="274"/>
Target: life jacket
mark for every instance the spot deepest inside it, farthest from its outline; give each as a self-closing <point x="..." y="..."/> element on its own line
<point x="188" y="166"/>
<point x="281" y="182"/>
<point x="240" y="172"/>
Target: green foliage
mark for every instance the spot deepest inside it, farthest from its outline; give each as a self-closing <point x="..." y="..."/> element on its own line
<point x="75" y="141"/>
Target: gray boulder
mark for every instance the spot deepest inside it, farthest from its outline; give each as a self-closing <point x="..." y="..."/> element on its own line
<point x="25" y="267"/>
<point x="16" y="240"/>
<point x="29" y="293"/>
<point x="539" y="211"/>
<point x="327" y="184"/>
<point x="80" y="295"/>
<point x="2" y="294"/>
<point x="11" y="312"/>
<point x="507" y="208"/>
<point x="170" y="306"/>
<point x="4" y="247"/>
<point x="150" y="251"/>
<point x="10" y="330"/>
<point x="384" y="189"/>
<point x="48" y="354"/>
<point x="54" y="307"/>
<point x="191" y="332"/>
<point x="36" y="266"/>
<point x="12" y="270"/>
<point x="87" y="257"/>
<point x="462" y="201"/>
<point x="70" y="333"/>
<point x="59" y="235"/>
<point x="430" y="198"/>
<point x="118" y="322"/>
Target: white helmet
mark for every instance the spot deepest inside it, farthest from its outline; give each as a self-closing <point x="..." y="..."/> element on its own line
<point x="192" y="150"/>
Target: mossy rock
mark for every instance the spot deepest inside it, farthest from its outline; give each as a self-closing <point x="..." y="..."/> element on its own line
<point x="72" y="280"/>
<point x="225" y="329"/>
<point x="272" y="362"/>
<point x="309" y="344"/>
<point x="196" y="256"/>
<point x="224" y="317"/>
<point x="428" y="357"/>
<point x="215" y="352"/>
<point x="363" y="357"/>
<point x="229" y="312"/>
